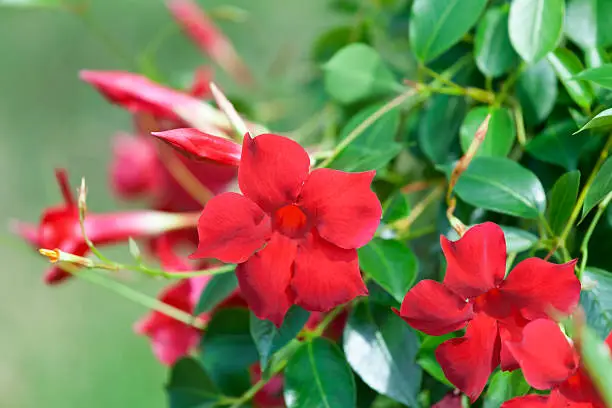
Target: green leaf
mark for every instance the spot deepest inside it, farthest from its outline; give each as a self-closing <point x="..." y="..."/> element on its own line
<point x="493" y="51"/>
<point x="504" y="386"/>
<point x="601" y="187"/>
<point x="535" y="27"/>
<point x="229" y="350"/>
<point x="503" y="186"/>
<point x="317" y="375"/>
<point x="518" y="240"/>
<point x="357" y="72"/>
<point x="391" y="264"/>
<point x="269" y="339"/>
<point x="596" y="359"/>
<point x="596" y="299"/>
<point x="601" y="120"/>
<point x="566" y="64"/>
<point x="381" y="348"/>
<point x="558" y="145"/>
<point x="562" y="199"/>
<point x="190" y="387"/>
<point x="602" y="75"/>
<point x="373" y="148"/>
<point x="217" y="289"/>
<point x="396" y="207"/>
<point x="587" y="23"/>
<point x="500" y="135"/>
<point x="437" y="25"/>
<point x="536" y="89"/>
<point x="430" y="365"/>
<point x="439" y="126"/>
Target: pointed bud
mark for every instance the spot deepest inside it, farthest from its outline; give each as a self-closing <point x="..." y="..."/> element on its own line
<point x="201" y="146"/>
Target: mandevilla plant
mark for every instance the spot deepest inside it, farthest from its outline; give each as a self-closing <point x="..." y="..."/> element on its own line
<point x="438" y="234"/>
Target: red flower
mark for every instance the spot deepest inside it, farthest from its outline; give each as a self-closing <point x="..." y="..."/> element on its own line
<point x="549" y="361"/>
<point x="294" y="234"/>
<point x="474" y="292"/>
<point x="59" y="228"/>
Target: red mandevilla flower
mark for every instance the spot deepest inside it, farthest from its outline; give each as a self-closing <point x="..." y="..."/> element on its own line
<point x="293" y="233"/>
<point x="474" y="292"/>
<point x="549" y="361"/>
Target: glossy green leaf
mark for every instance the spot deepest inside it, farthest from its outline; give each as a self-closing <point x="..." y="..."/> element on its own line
<point x="217" y="289"/>
<point x="536" y="89"/>
<point x="268" y="338"/>
<point x="562" y="198"/>
<point x="440" y="125"/>
<point x="601" y="187"/>
<point x="535" y="27"/>
<point x="381" y="348"/>
<point x="430" y="365"/>
<point x="588" y="24"/>
<point x="317" y="375"/>
<point x="190" y="387"/>
<point x="334" y="40"/>
<point x="396" y="207"/>
<point x="500" y="135"/>
<point x="595" y="356"/>
<point x="501" y="185"/>
<point x="601" y="76"/>
<point x="357" y="72"/>
<point x="373" y="148"/>
<point x="558" y="145"/>
<point x="518" y="240"/>
<point x="504" y="386"/>
<point x="493" y="51"/>
<point x="566" y="64"/>
<point x="391" y="264"/>
<point x="437" y="25"/>
<point x="602" y="120"/>
<point x="596" y="299"/>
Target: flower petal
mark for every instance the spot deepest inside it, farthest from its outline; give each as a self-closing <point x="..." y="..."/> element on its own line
<point x="173" y="341"/>
<point x="545" y="356"/>
<point x="528" y="401"/>
<point x="477" y="261"/>
<point x="433" y="309"/>
<point x="135" y="169"/>
<point x="467" y="362"/>
<point x="325" y="276"/>
<point x="580" y="389"/>
<point x="346" y="211"/>
<point x="202" y="146"/>
<point x="264" y="279"/>
<point x="272" y="170"/>
<point x="540" y="287"/>
<point x="231" y="228"/>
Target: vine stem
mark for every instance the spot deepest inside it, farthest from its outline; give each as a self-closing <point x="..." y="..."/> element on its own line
<point x="403" y="224"/>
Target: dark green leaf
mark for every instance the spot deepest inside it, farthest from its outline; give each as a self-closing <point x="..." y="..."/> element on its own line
<point x="268" y="339"/>
<point x="382" y="349"/>
<point x="396" y="207"/>
<point x="536" y="89"/>
<point x="439" y="126"/>
<point x="500" y="135"/>
<point x="597" y="361"/>
<point x="437" y="25"/>
<point x="503" y="186"/>
<point x="430" y="365"/>
<point x="504" y="386"/>
<point x="562" y="199"/>
<point x="190" y="387"/>
<point x="596" y="299"/>
<point x="566" y="64"/>
<point x="494" y="53"/>
<point x="587" y="23"/>
<point x="601" y="187"/>
<point x="357" y="72"/>
<point x="518" y="240"/>
<point x="391" y="264"/>
<point x="601" y="120"/>
<point x="317" y="375"/>
<point x="558" y="145"/>
<point x="333" y="40"/>
<point x="535" y="27"/>
<point x="601" y="75"/>
<point x="218" y="289"/>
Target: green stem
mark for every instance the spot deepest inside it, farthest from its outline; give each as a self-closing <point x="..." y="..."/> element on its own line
<point x="521" y="134"/>
<point x="584" y="247"/>
<point x="178" y="274"/>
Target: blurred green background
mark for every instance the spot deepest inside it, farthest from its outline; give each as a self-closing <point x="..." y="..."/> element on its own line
<point x="73" y="346"/>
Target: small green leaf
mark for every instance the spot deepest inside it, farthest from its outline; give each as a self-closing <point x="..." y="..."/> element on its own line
<point x="396" y="207"/>
<point x="535" y="27"/>
<point x="518" y="240"/>
<point x="493" y="51"/>
<point x="601" y="120"/>
<point x="566" y="64"/>
<point x="391" y="264"/>
<point x="596" y="299"/>
<point x="437" y="25"/>
<point x="596" y="358"/>
<point x="504" y="386"/>
<point x="601" y="187"/>
<point x="500" y="134"/>
<point x="430" y="365"/>
<point x="503" y="186"/>
<point x="601" y="76"/>
<point x="317" y="375"/>
<point x="190" y="387"/>
<point x="562" y="199"/>
<point x="269" y="339"/>
<point x="536" y="89"/>
<point x="134" y="250"/>
<point x="558" y="145"/>
<point x="381" y="348"/>
<point x="439" y="126"/>
<point x="357" y="72"/>
<point x="217" y="289"/>
<point x="587" y="23"/>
